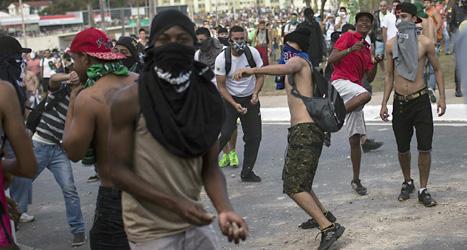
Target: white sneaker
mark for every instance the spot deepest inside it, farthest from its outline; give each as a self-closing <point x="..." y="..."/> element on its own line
<point x="26" y="218"/>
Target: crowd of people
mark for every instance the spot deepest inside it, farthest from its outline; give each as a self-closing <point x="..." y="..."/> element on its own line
<point x="152" y="115"/>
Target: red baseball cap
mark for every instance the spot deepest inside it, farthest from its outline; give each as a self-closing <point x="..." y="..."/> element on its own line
<point x="95" y="43"/>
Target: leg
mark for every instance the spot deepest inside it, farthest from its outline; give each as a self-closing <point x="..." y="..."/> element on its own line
<point x="251" y="124"/>
<point x="424" y="163"/>
<point x="63" y="173"/>
<point x="357" y="102"/>
<point x="229" y="125"/>
<point x="20" y="188"/>
<point x="233" y="140"/>
<point x="404" y="161"/>
<point x="307" y="202"/>
<point x="355" y="155"/>
<point x="315" y="198"/>
<point x="446" y="40"/>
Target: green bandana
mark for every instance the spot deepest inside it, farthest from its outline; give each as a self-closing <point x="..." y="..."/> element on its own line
<point x="96" y="71"/>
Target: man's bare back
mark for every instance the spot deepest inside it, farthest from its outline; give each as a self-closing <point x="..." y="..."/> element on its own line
<point x="91" y="122"/>
<point x="402" y="85"/>
<point x="305" y="85"/>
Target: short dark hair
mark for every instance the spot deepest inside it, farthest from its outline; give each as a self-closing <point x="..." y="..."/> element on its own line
<point x="396" y="1"/>
<point x="294" y="14"/>
<point x="203" y="31"/>
<point x="142" y="30"/>
<point x="222" y="30"/>
<point x="236" y="29"/>
<point x="348" y="27"/>
<point x="342" y="8"/>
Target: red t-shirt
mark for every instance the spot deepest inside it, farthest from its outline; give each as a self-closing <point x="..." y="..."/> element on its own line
<point x="354" y="65"/>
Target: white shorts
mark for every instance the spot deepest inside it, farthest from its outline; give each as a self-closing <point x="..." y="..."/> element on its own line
<point x="354" y="120"/>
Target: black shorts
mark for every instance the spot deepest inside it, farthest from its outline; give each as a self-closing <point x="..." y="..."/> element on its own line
<point x="409" y="114"/>
<point x="303" y="152"/>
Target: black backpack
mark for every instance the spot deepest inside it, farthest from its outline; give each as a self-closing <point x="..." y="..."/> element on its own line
<point x="228" y="59"/>
<point x="326" y="106"/>
<point x="35" y="115"/>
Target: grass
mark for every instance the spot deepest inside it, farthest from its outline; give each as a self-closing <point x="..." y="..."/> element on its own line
<point x="446" y="61"/>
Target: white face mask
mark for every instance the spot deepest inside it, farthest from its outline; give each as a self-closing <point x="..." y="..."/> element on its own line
<point x="342" y="13"/>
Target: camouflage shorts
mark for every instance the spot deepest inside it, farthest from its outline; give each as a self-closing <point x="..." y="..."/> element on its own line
<point x="303" y="152"/>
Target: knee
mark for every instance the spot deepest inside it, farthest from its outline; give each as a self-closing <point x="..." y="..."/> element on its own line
<point x="365" y="97"/>
<point x="354" y="141"/>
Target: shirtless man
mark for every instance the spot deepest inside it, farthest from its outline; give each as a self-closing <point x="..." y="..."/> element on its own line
<point x="32" y="84"/>
<point x="412" y="106"/>
<point x="88" y="122"/>
<point x="305" y="140"/>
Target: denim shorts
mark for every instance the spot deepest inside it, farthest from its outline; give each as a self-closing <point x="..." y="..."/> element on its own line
<point x="301" y="161"/>
<point x="408" y="115"/>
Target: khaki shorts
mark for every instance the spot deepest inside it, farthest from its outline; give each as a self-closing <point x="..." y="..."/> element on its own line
<point x="194" y="238"/>
<point x="354" y="120"/>
<point x="303" y="152"/>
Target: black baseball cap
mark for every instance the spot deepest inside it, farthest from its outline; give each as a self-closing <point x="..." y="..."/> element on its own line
<point x="364" y="13"/>
<point x="9" y="44"/>
<point x="408" y="8"/>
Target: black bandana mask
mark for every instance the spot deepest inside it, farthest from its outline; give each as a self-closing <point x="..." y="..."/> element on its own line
<point x="129" y="62"/>
<point x="172" y="63"/>
<point x="224" y="41"/>
<point x="174" y="58"/>
<point x="11" y="70"/>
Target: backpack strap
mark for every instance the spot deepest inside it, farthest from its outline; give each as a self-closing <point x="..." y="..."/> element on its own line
<point x="295" y="91"/>
<point x="249" y="57"/>
<point x="228" y="60"/>
<point x="59" y="95"/>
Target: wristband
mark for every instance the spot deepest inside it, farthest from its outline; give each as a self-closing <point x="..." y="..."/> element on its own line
<point x="348" y="51"/>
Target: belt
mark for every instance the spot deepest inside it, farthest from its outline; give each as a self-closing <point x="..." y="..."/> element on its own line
<point x="412" y="96"/>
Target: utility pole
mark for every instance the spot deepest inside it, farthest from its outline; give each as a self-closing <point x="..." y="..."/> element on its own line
<point x="151" y="12"/>
<point x="138" y="22"/>
<point x="22" y="23"/>
<point x="102" y="6"/>
<point x="122" y="17"/>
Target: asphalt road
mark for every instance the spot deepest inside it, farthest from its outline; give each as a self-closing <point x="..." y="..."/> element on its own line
<point x="273" y="218"/>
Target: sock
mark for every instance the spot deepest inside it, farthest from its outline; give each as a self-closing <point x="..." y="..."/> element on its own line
<point x="409" y="182"/>
<point x="421" y="190"/>
<point x="330" y="227"/>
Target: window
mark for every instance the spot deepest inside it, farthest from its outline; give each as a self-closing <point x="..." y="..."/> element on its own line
<point x="176" y="1"/>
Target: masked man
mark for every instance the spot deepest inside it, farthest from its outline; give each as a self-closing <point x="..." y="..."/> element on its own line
<point x="164" y="141"/>
<point x="241" y="99"/>
<point x="411" y="109"/>
<point x="128" y="47"/>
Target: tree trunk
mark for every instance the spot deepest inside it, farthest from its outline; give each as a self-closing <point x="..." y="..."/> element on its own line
<point x="321" y="12"/>
<point x="308" y="3"/>
<point x="91" y="22"/>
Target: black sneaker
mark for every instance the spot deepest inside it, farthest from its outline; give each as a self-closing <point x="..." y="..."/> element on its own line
<point x="357" y="186"/>
<point x="330" y="235"/>
<point x="371" y="144"/>
<point x="93" y="178"/>
<point x="425" y="199"/>
<point x="250" y="177"/>
<point x="406" y="190"/>
<point x="311" y="223"/>
<point x="79" y="239"/>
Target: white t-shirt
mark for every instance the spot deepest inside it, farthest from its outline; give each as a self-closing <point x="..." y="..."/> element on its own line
<point x="47" y="69"/>
<point x="389" y="22"/>
<point x="246" y="86"/>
